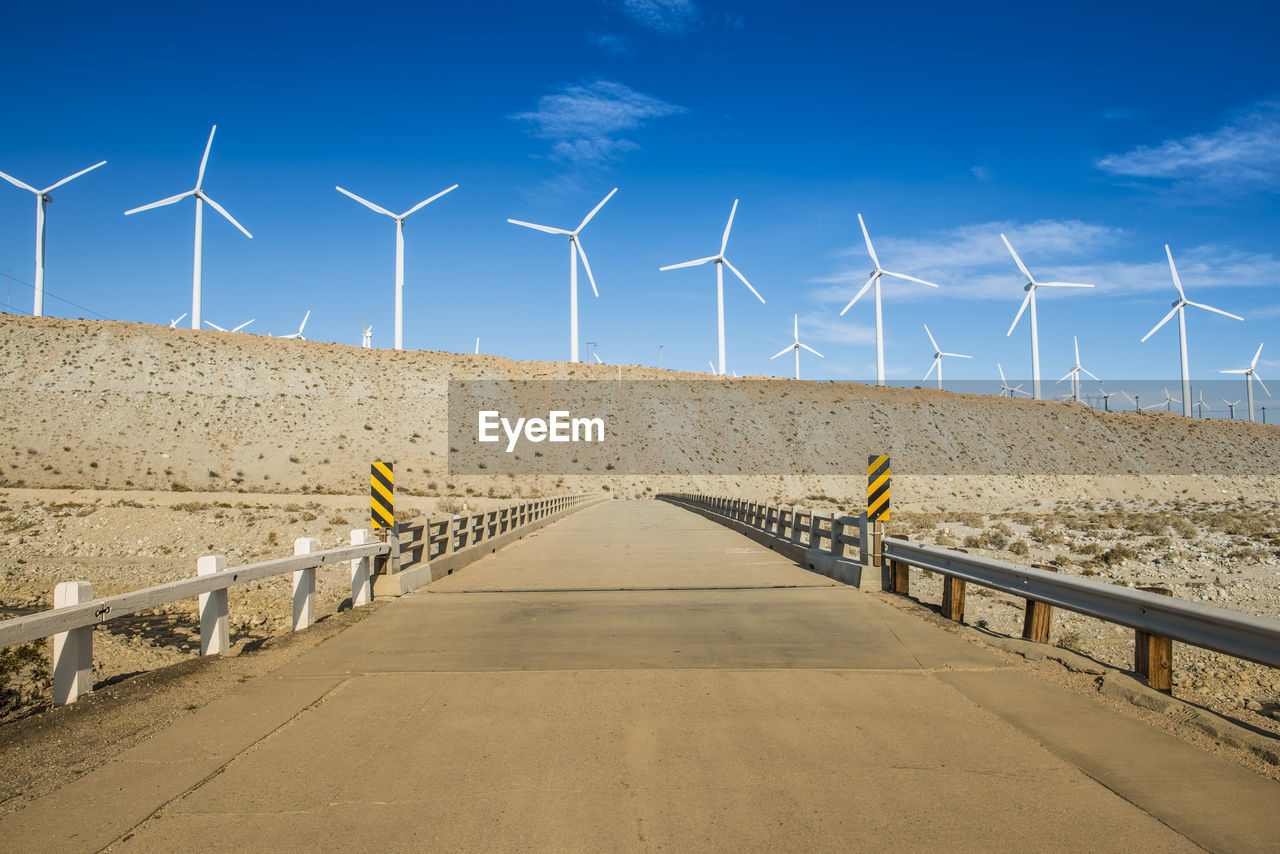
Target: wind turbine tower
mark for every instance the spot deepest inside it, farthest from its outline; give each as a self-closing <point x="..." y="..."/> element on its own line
<point x="721" y="262"/>
<point x="43" y="198"/>
<point x="575" y="249"/>
<point x="399" y="218"/>
<point x="201" y="199"/>
<point x="1030" y="300"/>
<point x="1179" y="308"/>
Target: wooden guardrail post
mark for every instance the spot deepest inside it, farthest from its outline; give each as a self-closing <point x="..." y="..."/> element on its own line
<point x="73" y="650"/>
<point x="361" y="588"/>
<point x="1153" y="654"/>
<point x="1037" y="621"/>
<point x="215" y="636"/>
<point x="304" y="584"/>
<point x="899" y="570"/>
<point x="953" y="598"/>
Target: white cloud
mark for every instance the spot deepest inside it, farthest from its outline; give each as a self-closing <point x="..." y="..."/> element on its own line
<point x="822" y="326"/>
<point x="610" y="44"/>
<point x="972" y="263"/>
<point x="672" y="17"/>
<point x="1242" y="155"/>
<point x="584" y="123"/>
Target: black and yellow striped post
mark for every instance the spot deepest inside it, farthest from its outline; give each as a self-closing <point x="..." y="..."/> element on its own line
<point x="878" y="479"/>
<point x="382" y="496"/>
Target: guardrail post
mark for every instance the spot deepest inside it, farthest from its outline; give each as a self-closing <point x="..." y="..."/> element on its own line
<point x="953" y="598"/>
<point x="1037" y="621"/>
<point x="864" y="541"/>
<point x="73" y="650"/>
<point x="304" y="584"/>
<point x="900" y="570"/>
<point x="361" y="589"/>
<point x="1153" y="654"/>
<point x="796" y="516"/>
<point x="837" y="531"/>
<point x="877" y="543"/>
<point x="215" y="636"/>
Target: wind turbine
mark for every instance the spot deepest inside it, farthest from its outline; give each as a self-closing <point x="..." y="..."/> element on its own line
<point x="1200" y="403"/>
<point x="399" y="218"/>
<point x="1107" y="395"/>
<point x="366" y="335"/>
<point x="937" y="356"/>
<point x="875" y="280"/>
<point x="301" y="326"/>
<point x="173" y="323"/>
<point x="1030" y="299"/>
<point x="1075" y="372"/>
<point x="1251" y="374"/>
<point x="796" y="345"/>
<point x="43" y="198"/>
<point x="1005" y="387"/>
<point x="721" y="262"/>
<point x="575" y="249"/>
<point x="1167" y="403"/>
<point x="220" y="329"/>
<point x="1231" y="407"/>
<point x="1179" y="308"/>
<point x="201" y="198"/>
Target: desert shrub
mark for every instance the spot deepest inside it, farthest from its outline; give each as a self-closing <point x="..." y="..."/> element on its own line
<point x="1072" y="641"/>
<point x="1019" y="548"/>
<point x="1117" y="555"/>
<point x="449" y="504"/>
<point x="1184" y="527"/>
<point x="1089" y="549"/>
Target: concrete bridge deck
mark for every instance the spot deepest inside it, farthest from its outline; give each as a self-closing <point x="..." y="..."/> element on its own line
<point x="636" y="677"/>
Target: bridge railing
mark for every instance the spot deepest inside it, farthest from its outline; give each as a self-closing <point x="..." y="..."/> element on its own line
<point x="75" y="612"/>
<point x="417" y="543"/>
<point x="1156" y="617"/>
<point x="791" y="523"/>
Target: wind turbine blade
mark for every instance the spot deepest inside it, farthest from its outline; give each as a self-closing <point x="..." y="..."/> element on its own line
<point x="1215" y="310"/>
<point x="744" y="279"/>
<point x="909" y="278"/>
<point x="813" y="351"/>
<point x="162" y="202"/>
<point x="1237" y="371"/>
<point x="217" y="207"/>
<point x="204" y="161"/>
<point x="15" y="182"/>
<point x="1161" y="323"/>
<point x="215" y="326"/>
<point x="1023" y="308"/>
<point x="871" y="250"/>
<point x="1018" y="390"/>
<point x="711" y="365"/>
<point x="1021" y="266"/>
<point x="957" y="355"/>
<point x="1062" y="285"/>
<point x="548" y="229"/>
<point x="687" y="263"/>
<point x="858" y="295"/>
<point x="936" y="348"/>
<point x="595" y="211"/>
<point x="1177" y="282"/>
<point x="1076" y="341"/>
<point x="936" y="360"/>
<point x="784" y="350"/>
<point x="1090" y="373"/>
<point x="368" y="204"/>
<point x="725" y="240"/>
<point x="1254" y="363"/>
<point x="599" y="361"/>
<point x="422" y="204"/>
<point x="1066" y="375"/>
<point x="305" y="318"/>
<point x="73" y="177"/>
<point x="1261" y="383"/>
<point x="1003" y="381"/>
<point x="1126" y="395"/>
<point x="582" y="253"/>
<point x="178" y="320"/>
<point x="243" y="325"/>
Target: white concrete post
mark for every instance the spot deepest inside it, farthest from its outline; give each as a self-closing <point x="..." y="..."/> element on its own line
<point x="796" y="519"/>
<point x="304" y="585"/>
<point x="864" y="540"/>
<point x="361" y="590"/>
<point x="215" y="635"/>
<point x="73" y="650"/>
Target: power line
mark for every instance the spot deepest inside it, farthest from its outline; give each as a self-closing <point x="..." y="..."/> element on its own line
<point x="48" y="293"/>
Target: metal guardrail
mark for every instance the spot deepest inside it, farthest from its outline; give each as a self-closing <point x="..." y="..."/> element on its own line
<point x="1233" y="633"/>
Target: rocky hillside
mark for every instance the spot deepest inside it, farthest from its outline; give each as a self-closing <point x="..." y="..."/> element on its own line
<point x="134" y="406"/>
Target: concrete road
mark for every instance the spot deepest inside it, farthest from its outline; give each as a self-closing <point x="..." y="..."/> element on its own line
<point x="636" y="677"/>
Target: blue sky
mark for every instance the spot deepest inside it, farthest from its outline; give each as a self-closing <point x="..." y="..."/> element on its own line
<point x="1091" y="134"/>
